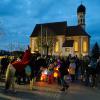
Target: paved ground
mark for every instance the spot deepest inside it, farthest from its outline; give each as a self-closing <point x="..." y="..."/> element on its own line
<point x="43" y="91"/>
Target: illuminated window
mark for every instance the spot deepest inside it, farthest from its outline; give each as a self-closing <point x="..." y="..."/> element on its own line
<point x="76" y="46"/>
<point x="57" y="47"/>
<point x="84" y="46"/>
<point x="32" y="45"/>
<point x="35" y="46"/>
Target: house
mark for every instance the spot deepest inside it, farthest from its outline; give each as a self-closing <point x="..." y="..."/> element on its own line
<point x="59" y="39"/>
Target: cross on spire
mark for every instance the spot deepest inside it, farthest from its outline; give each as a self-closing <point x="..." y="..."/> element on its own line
<point x="81" y="1"/>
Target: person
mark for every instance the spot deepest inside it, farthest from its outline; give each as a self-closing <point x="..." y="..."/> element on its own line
<point x="77" y="62"/>
<point x="72" y="68"/>
<point x="4" y="64"/>
<point x="50" y="73"/>
<point x="91" y="70"/>
<point x="9" y="80"/>
<point x="28" y="73"/>
<point x="63" y="71"/>
<point x="98" y="72"/>
<point x="56" y="72"/>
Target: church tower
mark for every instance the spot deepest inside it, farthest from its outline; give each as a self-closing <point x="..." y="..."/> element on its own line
<point x="81" y="10"/>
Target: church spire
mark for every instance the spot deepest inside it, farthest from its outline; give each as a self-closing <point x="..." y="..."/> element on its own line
<point x="81" y="10"/>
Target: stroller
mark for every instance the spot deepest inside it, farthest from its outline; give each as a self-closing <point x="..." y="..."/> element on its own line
<point x="67" y="79"/>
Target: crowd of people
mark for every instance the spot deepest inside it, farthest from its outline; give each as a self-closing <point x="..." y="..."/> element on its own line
<point x="70" y="69"/>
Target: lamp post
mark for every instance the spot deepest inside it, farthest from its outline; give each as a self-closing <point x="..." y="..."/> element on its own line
<point x="47" y="49"/>
<point x="47" y="46"/>
<point x="41" y="42"/>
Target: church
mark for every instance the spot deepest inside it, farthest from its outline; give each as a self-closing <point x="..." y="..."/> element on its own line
<point x="59" y="39"/>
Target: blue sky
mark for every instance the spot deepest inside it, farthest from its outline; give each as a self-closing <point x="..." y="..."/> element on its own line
<point x="18" y="18"/>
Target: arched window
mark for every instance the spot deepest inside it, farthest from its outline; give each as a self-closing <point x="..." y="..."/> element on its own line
<point x="57" y="46"/>
<point x="84" y="46"/>
<point x="76" y="46"/>
<point x="35" y="45"/>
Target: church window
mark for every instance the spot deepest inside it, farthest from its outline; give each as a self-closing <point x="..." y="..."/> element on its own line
<point x="84" y="46"/>
<point x="57" y="46"/>
<point x="32" y="45"/>
<point x="35" y="46"/>
<point x="76" y="46"/>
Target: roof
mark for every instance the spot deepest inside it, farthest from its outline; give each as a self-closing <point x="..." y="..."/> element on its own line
<point x="68" y="43"/>
<point x="81" y="8"/>
<point x="58" y="28"/>
<point x="76" y="31"/>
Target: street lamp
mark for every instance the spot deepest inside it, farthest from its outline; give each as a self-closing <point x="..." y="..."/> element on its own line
<point x="41" y="42"/>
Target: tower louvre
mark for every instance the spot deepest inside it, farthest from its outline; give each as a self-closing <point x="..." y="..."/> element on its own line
<point x="81" y="10"/>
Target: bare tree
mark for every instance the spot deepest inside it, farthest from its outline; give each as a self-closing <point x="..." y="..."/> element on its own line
<point x="48" y="41"/>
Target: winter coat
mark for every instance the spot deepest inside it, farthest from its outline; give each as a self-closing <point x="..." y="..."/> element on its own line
<point x="72" y="68"/>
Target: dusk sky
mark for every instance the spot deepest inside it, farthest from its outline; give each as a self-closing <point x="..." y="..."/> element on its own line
<point x="18" y="18"/>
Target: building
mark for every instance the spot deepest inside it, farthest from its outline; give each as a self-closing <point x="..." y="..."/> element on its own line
<point x="57" y="38"/>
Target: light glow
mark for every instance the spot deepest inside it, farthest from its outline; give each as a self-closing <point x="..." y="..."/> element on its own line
<point x="76" y="46"/>
<point x="84" y="46"/>
<point x="57" y="47"/>
<point x="55" y="74"/>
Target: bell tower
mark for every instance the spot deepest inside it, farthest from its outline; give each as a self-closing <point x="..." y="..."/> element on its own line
<point x="81" y="10"/>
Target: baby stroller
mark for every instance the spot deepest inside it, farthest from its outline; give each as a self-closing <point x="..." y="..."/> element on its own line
<point x="67" y="79"/>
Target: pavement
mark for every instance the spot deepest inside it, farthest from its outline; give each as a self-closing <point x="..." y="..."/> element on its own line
<point x="45" y="91"/>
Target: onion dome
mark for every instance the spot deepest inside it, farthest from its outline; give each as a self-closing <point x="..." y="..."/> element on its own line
<point x="81" y="8"/>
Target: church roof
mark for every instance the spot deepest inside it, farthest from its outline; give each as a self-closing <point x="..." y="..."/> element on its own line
<point x="58" y="28"/>
<point x="68" y="43"/>
<point x="76" y="31"/>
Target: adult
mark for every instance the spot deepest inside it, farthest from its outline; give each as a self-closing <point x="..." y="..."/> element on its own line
<point x="72" y="68"/>
<point x="63" y="71"/>
<point x="98" y="72"/>
<point x="4" y="64"/>
<point x="77" y="71"/>
<point x="9" y="80"/>
<point x="91" y="70"/>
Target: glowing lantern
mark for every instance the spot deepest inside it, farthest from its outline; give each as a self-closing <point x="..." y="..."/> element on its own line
<point x="68" y="69"/>
<point x="56" y="68"/>
<point x="41" y="78"/>
<point x="44" y="75"/>
<point x="55" y="74"/>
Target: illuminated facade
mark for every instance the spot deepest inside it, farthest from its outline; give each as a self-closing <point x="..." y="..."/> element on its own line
<point x="57" y="38"/>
